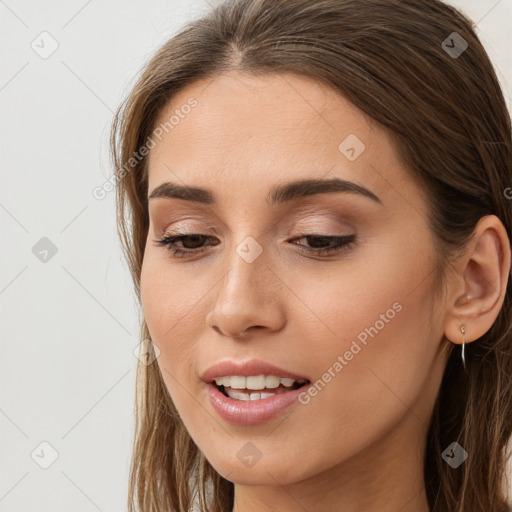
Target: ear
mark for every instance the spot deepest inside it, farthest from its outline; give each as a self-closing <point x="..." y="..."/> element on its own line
<point x="482" y="273"/>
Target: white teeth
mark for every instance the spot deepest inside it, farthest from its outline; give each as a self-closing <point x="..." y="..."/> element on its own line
<point x="222" y="381"/>
<point x="237" y="383"/>
<point x="272" y="381"/>
<point x="241" y="395"/>
<point x="258" y="382"/>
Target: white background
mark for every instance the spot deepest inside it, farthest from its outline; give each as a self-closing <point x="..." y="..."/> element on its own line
<point x="69" y="326"/>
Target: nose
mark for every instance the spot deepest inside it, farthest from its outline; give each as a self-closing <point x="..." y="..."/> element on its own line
<point x="246" y="300"/>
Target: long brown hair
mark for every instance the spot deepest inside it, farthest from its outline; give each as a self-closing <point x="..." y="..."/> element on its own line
<point x="393" y="59"/>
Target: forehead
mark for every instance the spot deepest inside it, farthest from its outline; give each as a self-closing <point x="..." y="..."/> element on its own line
<point x="246" y="133"/>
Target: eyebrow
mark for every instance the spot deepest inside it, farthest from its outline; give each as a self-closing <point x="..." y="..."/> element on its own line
<point x="278" y="194"/>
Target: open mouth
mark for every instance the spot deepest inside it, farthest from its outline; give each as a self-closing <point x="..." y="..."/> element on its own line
<point x="258" y="394"/>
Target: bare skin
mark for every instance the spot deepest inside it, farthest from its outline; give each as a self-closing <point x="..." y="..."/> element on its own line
<point x="358" y="445"/>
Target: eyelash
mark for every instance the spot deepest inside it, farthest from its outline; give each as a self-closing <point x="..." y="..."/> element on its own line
<point x="343" y="243"/>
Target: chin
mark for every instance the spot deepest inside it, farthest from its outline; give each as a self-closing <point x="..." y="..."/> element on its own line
<point x="262" y="472"/>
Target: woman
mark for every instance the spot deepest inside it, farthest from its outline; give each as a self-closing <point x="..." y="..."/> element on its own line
<point x="314" y="201"/>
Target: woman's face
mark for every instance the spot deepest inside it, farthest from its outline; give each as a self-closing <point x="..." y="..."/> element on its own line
<point x="360" y="323"/>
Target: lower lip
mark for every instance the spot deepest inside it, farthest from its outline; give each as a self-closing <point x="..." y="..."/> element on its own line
<point x="251" y="412"/>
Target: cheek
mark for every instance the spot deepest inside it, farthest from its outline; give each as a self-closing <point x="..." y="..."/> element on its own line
<point x="175" y="316"/>
<point x="366" y="335"/>
<point x="358" y="300"/>
<point x="170" y="299"/>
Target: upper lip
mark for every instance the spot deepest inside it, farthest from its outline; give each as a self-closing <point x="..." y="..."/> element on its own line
<point x="248" y="368"/>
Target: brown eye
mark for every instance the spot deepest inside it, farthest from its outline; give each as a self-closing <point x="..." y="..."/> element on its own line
<point x="326" y="245"/>
<point x="191" y="243"/>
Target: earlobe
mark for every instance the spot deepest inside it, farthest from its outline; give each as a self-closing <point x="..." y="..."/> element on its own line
<point x="482" y="273"/>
